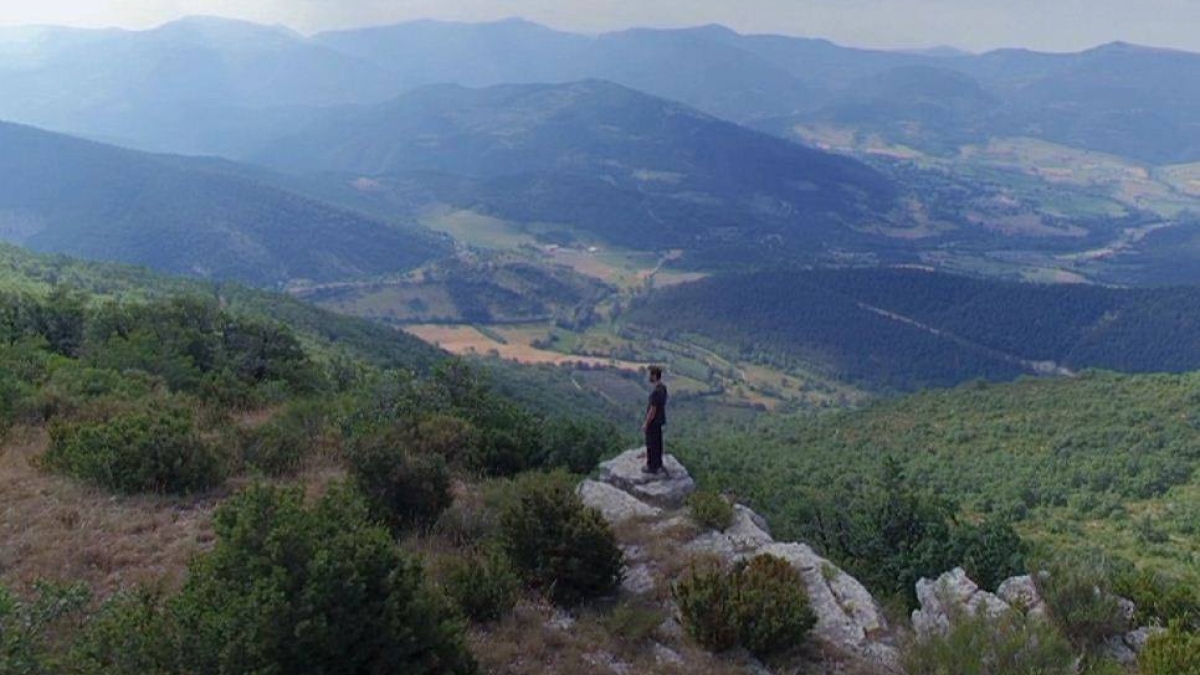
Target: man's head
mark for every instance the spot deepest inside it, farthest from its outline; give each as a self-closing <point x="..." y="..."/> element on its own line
<point x="655" y="373"/>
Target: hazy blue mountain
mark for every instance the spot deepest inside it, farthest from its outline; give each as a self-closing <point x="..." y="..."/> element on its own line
<point x="699" y="67"/>
<point x="216" y="86"/>
<point x="167" y="87"/>
<point x="1119" y="98"/>
<point x="66" y="195"/>
<point x="633" y="168"/>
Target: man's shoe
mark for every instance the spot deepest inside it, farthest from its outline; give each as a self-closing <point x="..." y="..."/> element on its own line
<point x="646" y="469"/>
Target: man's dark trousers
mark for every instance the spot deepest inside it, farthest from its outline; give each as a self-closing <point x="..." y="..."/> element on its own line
<point x="654" y="447"/>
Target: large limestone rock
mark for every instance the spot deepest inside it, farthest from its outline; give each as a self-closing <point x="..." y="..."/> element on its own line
<point x="952" y="594"/>
<point x="667" y="489"/>
<point x="743" y="538"/>
<point x="849" y="620"/>
<point x="848" y="617"/>
<point x="616" y="505"/>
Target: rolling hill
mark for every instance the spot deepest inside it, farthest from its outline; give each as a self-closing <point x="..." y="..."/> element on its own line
<point x="65" y="195"/>
<point x="910" y="329"/>
<point x="636" y="170"/>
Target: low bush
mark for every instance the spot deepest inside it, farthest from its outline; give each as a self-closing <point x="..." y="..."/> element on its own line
<point x="291" y="588"/>
<point x="26" y="627"/>
<point x="154" y="448"/>
<point x="711" y="509"/>
<point x="404" y="489"/>
<point x="484" y="586"/>
<point x="1081" y="600"/>
<point x="280" y="446"/>
<point x="131" y="634"/>
<point x="1159" y="598"/>
<point x="760" y="605"/>
<point x="559" y="544"/>
<point x="1010" y="644"/>
<point x="577" y="445"/>
<point x="1176" y="652"/>
<point x="634" y="621"/>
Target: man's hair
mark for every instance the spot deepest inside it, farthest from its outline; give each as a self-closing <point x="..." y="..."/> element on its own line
<point x="656" y="372"/>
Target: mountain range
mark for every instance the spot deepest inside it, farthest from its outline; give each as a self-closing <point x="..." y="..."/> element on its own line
<point x="251" y="82"/>
<point x="630" y="168"/>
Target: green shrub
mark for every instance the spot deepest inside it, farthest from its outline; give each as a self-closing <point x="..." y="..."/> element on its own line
<point x="280" y="446"/>
<point x="451" y="438"/>
<point x="473" y="518"/>
<point x="577" y="445"/>
<point x="1176" y="652"/>
<point x="635" y="621"/>
<point x="484" y="586"/>
<point x="1079" y="595"/>
<point x="290" y="588"/>
<point x="152" y="449"/>
<point x="1010" y="644"/>
<point x="132" y="634"/>
<point x="760" y="605"/>
<point x="711" y="509"/>
<point x="26" y="627"/>
<point x="406" y="490"/>
<point x="1160" y="599"/>
<point x="560" y="545"/>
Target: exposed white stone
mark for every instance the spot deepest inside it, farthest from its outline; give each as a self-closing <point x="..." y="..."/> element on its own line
<point x="1022" y="593"/>
<point x="638" y="580"/>
<point x="1116" y="649"/>
<point x="951" y="594"/>
<point x="665" y="656"/>
<point x="848" y="617"/>
<point x="666" y="489"/>
<point x="849" y="620"/>
<point x="616" y="505"/>
<point x="1137" y="639"/>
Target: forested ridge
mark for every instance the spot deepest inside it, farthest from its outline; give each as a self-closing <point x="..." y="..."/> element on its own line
<point x="905" y="329"/>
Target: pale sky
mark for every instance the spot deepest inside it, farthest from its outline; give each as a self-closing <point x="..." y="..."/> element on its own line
<point x="1051" y="25"/>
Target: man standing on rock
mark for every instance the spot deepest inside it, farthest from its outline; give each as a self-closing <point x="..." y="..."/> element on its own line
<point x="656" y="418"/>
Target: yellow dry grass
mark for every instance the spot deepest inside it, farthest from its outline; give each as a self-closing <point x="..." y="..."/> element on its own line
<point x="52" y="528"/>
<point x="468" y="341"/>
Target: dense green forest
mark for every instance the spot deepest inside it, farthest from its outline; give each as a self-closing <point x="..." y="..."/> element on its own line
<point x="1055" y="458"/>
<point x="902" y="329"/>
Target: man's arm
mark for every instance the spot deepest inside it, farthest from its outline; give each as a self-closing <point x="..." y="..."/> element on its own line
<point x="649" y="418"/>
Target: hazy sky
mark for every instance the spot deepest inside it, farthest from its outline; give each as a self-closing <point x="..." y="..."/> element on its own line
<point x="1059" y="25"/>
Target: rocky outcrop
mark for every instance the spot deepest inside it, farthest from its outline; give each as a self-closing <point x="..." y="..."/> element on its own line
<point x="616" y="505"/>
<point x="849" y="620"/>
<point x="950" y="595"/>
<point x="954" y="594"/>
<point x="668" y="489"/>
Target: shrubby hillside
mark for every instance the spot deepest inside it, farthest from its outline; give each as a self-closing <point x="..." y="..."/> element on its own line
<point x="1063" y="460"/>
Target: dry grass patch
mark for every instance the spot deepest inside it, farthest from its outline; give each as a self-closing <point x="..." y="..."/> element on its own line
<point x="56" y="529"/>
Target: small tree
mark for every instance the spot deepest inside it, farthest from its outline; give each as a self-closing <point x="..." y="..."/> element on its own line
<point x="559" y="544"/>
<point x="760" y="605"/>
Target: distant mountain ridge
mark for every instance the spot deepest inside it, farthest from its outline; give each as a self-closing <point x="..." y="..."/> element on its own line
<point x="631" y="168"/>
<point x="145" y="88"/>
<point x="65" y="195"/>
